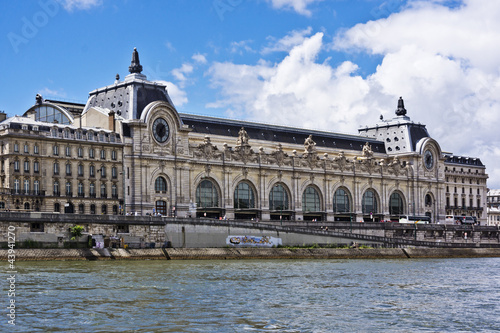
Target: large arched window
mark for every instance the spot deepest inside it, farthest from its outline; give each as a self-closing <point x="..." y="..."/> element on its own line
<point x="207" y="195"/>
<point x="369" y="203"/>
<point x="311" y="200"/>
<point x="278" y="198"/>
<point x="396" y="206"/>
<point x="244" y="196"/>
<point x="341" y="202"/>
<point x="51" y="114"/>
<point x="160" y="185"/>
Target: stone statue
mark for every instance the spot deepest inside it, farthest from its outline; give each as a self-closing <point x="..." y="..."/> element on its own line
<point x="39" y="99"/>
<point x="242" y="137"/>
<point x="367" y="150"/>
<point x="309" y="144"/>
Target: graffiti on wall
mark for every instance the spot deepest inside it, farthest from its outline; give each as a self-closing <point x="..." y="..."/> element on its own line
<point x="253" y="241"/>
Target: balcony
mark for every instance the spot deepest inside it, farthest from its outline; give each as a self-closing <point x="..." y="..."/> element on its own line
<point x="69" y="194"/>
<point x="56" y="193"/>
<point x="92" y="195"/>
<point x="30" y="193"/>
<point x="81" y="195"/>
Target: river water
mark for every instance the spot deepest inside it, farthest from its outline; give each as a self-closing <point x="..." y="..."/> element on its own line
<point x="431" y="295"/>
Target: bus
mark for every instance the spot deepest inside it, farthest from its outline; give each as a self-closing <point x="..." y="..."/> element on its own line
<point x="414" y="219"/>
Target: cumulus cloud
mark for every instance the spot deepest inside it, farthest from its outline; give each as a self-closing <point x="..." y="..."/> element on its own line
<point x="299" y="6"/>
<point x="177" y="95"/>
<point x="286" y="43"/>
<point x="181" y="72"/>
<point x="441" y="60"/>
<point x="199" y="58"/>
<point x="297" y="91"/>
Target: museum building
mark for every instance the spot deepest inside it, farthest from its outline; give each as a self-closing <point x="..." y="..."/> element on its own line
<point x="128" y="151"/>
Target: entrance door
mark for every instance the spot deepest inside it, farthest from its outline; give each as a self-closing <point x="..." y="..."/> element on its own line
<point x="161" y="207"/>
<point x="69" y="208"/>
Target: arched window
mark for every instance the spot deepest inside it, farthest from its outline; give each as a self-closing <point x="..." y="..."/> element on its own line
<point x="311" y="200"/>
<point x="92" y="209"/>
<point x="57" y="207"/>
<point x="68" y="189"/>
<point x="278" y="198"/>
<point x="369" y="203"/>
<point x="207" y="195"/>
<point x="396" y="206"/>
<point x="244" y="196"/>
<point x="92" y="190"/>
<point x="115" y="210"/>
<point x="104" y="209"/>
<point x="26" y="205"/>
<point x="428" y="200"/>
<point x="81" y="208"/>
<point x="160" y="185"/>
<point x="50" y="114"/>
<point x="341" y="202"/>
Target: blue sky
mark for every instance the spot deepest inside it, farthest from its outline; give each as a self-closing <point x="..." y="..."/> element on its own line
<point x="332" y="64"/>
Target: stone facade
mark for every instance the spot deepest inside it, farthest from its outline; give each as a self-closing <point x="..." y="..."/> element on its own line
<point x="177" y="164"/>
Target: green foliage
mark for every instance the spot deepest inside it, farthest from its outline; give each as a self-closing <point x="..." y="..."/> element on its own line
<point x="31" y="244"/>
<point x="76" y="232"/>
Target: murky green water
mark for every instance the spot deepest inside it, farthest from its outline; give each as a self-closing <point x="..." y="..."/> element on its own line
<point x="445" y="295"/>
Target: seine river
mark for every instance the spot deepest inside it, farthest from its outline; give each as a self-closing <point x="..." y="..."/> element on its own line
<point x="433" y="295"/>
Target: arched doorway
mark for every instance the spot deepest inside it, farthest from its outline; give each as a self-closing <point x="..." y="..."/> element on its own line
<point x="69" y="208"/>
<point x="161" y="207"/>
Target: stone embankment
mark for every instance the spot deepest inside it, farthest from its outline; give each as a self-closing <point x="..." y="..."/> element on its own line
<point x="245" y="253"/>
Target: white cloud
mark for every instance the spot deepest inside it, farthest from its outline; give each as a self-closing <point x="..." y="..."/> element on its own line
<point x="286" y="43"/>
<point x="199" y="58"/>
<point x="442" y="61"/>
<point x="298" y="91"/>
<point x="180" y="73"/>
<point x="299" y="6"/>
<point x="241" y="47"/>
<point x="177" y="95"/>
<point x="71" y="5"/>
<point x="47" y="93"/>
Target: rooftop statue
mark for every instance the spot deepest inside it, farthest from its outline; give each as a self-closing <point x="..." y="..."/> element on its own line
<point x="367" y="151"/>
<point x="242" y="137"/>
<point x="309" y="144"/>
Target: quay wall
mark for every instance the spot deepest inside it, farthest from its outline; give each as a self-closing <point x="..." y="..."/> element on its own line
<point x="245" y="253"/>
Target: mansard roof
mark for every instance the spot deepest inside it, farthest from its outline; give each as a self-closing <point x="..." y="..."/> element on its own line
<point x="276" y="133"/>
<point x="463" y="160"/>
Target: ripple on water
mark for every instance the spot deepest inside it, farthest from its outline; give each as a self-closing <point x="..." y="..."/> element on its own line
<point x="260" y="295"/>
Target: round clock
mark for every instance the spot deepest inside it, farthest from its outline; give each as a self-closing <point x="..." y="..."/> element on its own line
<point x="160" y="130"/>
<point x="428" y="159"/>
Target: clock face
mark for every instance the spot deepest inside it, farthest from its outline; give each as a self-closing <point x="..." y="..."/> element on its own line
<point x="428" y="159"/>
<point x="160" y="130"/>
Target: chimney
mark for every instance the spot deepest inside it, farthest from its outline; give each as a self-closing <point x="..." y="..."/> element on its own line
<point x="3" y="116"/>
<point x="111" y="118"/>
